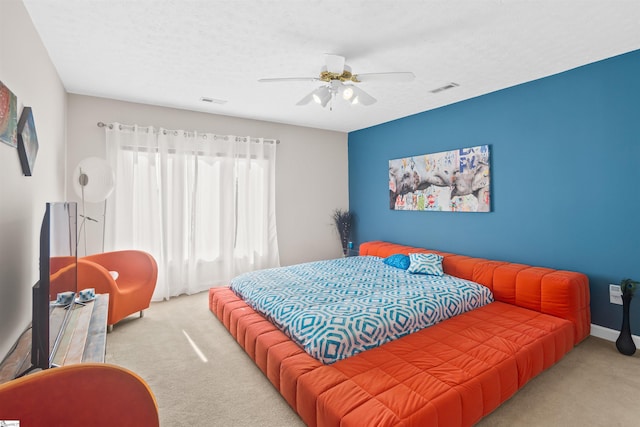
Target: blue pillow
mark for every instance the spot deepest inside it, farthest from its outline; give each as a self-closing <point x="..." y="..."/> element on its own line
<point x="430" y="264"/>
<point x="397" y="261"/>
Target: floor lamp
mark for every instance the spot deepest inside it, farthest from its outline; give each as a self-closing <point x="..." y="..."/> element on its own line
<point x="93" y="182"/>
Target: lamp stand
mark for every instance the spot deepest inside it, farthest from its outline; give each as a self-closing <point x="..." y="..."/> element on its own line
<point x="83" y="179"/>
<point x="94" y="181"/>
<point x="104" y="223"/>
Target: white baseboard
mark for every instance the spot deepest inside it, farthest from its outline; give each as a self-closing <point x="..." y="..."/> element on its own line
<point x="610" y="334"/>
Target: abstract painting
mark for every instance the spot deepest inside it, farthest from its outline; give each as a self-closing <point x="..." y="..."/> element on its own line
<point x="452" y="181"/>
<point x="8" y="116"/>
<point x="27" y="141"/>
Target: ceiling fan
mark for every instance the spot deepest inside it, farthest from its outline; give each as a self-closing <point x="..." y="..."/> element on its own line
<point x="339" y="82"/>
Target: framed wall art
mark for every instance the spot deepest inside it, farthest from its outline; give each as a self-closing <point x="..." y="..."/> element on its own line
<point x="8" y="116"/>
<point x="454" y="181"/>
<point x="27" y="141"/>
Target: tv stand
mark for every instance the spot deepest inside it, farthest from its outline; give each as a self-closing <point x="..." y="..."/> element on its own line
<point x="82" y="338"/>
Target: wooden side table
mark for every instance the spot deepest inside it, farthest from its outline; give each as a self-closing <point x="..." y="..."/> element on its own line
<point x="82" y="339"/>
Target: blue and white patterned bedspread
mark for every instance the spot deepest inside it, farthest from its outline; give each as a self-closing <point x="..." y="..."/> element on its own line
<point x="334" y="309"/>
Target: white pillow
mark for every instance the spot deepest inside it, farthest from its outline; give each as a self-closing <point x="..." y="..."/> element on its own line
<point x="430" y="264"/>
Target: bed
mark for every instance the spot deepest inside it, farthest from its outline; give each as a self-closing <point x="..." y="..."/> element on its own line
<point x="450" y="374"/>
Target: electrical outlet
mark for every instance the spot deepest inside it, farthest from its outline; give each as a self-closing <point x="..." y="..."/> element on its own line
<point x="615" y="294"/>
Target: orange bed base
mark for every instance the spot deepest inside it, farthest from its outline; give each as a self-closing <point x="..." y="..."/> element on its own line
<point x="448" y="375"/>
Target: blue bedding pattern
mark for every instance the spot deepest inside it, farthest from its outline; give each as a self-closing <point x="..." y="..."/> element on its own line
<point x="337" y="308"/>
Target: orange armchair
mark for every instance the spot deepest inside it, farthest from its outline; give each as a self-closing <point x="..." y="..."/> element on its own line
<point x="85" y="394"/>
<point x="63" y="275"/>
<point x="131" y="291"/>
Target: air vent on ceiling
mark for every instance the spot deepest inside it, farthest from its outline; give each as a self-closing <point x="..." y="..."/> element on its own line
<point x="212" y="100"/>
<point x="445" y="87"/>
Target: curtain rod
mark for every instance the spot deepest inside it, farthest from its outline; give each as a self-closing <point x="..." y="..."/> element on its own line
<point x="238" y="138"/>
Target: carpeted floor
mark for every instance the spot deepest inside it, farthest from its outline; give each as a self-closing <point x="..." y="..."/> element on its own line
<point x="217" y="384"/>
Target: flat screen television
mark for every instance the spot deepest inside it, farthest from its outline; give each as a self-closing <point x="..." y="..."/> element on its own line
<point x="58" y="273"/>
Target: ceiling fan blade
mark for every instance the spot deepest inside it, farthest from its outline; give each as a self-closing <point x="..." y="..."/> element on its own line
<point x="290" y="79"/>
<point x="334" y="63"/>
<point x="362" y="97"/>
<point x="307" y="99"/>
<point x="321" y="95"/>
<point x="403" y="76"/>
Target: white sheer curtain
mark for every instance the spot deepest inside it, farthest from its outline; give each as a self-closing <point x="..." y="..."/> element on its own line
<point x="202" y="204"/>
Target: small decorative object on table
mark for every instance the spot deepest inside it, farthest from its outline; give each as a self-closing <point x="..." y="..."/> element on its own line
<point x="343" y="221"/>
<point x="624" y="343"/>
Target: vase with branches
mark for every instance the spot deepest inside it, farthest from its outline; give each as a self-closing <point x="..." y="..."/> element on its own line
<point x="624" y="343"/>
<point x="343" y="220"/>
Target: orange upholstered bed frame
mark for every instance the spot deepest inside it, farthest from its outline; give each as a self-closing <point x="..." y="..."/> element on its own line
<point x="448" y="375"/>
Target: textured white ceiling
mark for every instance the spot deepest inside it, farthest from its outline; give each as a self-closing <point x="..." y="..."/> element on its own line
<point x="173" y="52"/>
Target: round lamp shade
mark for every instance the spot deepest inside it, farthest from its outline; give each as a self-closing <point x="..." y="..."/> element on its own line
<point x="96" y="177"/>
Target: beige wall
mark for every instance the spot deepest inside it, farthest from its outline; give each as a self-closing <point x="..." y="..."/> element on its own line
<point x="311" y="176"/>
<point x="311" y="172"/>
<point x="26" y="69"/>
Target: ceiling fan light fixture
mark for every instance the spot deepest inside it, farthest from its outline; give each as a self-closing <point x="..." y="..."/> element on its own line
<point x="361" y="97"/>
<point x="350" y="94"/>
<point x="321" y="96"/>
<point x="347" y="93"/>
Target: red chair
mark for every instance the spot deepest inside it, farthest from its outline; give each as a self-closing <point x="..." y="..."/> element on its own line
<point x="85" y="394"/>
<point x="129" y="277"/>
<point x="63" y="275"/>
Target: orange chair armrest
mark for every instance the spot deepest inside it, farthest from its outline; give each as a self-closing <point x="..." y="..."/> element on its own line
<point x="86" y="394"/>
<point x="131" y="265"/>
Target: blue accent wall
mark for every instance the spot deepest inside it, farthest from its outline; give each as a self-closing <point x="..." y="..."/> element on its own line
<point x="565" y="171"/>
